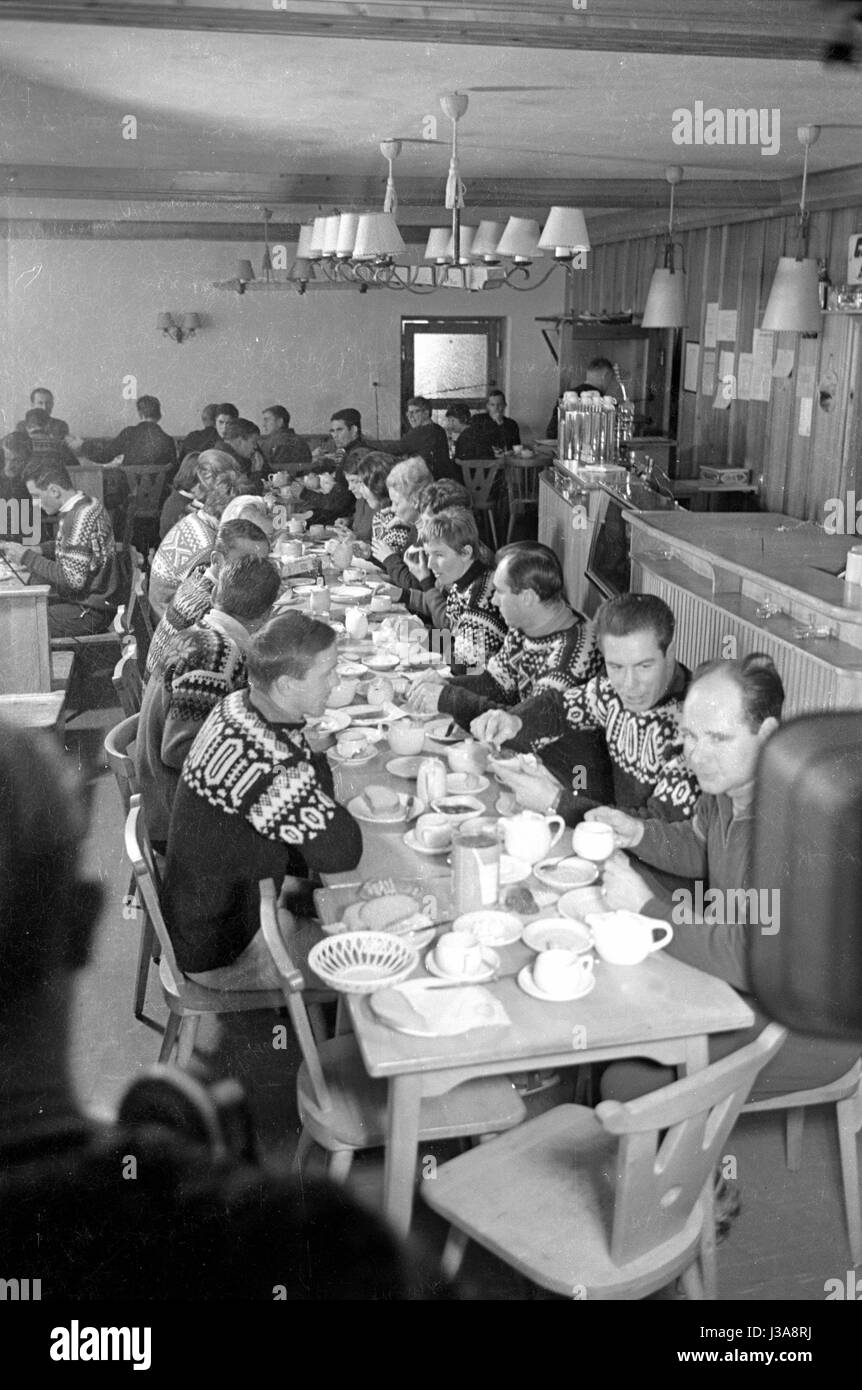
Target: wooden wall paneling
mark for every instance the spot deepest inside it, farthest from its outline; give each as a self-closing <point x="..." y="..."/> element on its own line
<point x="829" y="458"/>
<point x="800" y="493"/>
<point x="776" y="426"/>
<point x="732" y="298"/>
<point x="755" y="411"/>
<point x="750" y="271"/>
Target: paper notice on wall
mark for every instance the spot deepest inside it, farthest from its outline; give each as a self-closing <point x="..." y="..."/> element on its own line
<point x="743" y="376"/>
<point x="692" y="363"/>
<point x="805" y="415"/>
<point x="805" y="380"/>
<point x="710" y="327"/>
<point x="761" y="372"/>
<point x="724" y="394"/>
<point x="726" y="328"/>
<point x="707" y="374"/>
<point x="783" y="364"/>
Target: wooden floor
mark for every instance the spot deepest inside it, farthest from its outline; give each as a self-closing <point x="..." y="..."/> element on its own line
<point x="787" y="1242"/>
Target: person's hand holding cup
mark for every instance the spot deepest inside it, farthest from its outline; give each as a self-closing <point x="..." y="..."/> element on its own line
<point x="628" y="830"/>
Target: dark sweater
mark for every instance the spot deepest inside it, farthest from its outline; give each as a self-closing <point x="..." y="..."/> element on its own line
<point x="284" y="451"/>
<point x="477" y="440"/>
<point x="466" y="611"/>
<point x="429" y="441"/>
<point x="198" y="440"/>
<point x="253" y="802"/>
<point x="81" y="563"/>
<point x="145" y="443"/>
<point x="189" y="604"/>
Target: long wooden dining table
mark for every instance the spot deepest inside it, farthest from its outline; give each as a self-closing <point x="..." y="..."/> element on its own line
<point x="662" y="1009"/>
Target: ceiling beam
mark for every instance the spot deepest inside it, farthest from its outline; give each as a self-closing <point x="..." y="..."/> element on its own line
<point x="789" y="30"/>
<point x="422" y="195"/>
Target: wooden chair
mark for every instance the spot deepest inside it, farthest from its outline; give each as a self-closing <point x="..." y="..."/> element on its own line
<point x="187" y="1001"/>
<point x="483" y="479"/>
<point x="522" y="482"/>
<point x="128" y="684"/>
<point x="846" y="1095"/>
<point x="143" y="510"/>
<point x="118" y="741"/>
<point x="604" y="1204"/>
<point x="342" y="1108"/>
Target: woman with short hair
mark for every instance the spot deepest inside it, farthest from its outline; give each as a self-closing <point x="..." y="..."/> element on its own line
<point x="194" y="535"/>
<point x="450" y="551"/>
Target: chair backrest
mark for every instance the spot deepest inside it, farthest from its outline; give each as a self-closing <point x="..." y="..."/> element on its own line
<point x="479" y="476"/>
<point x="292" y="986"/>
<point x="128" y="683"/>
<point x="117" y="744"/>
<point x="140" y="852"/>
<point x="522" y="479"/>
<point x="658" y="1181"/>
<point x="146" y="484"/>
<point x="138" y="618"/>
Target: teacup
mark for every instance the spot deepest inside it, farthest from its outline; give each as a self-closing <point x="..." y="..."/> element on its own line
<point x="458" y="953"/>
<point x="529" y="836"/>
<point x="379" y="604"/>
<point x="356" y="624"/>
<point x="296" y="525"/>
<point x="593" y="840"/>
<point x="352" y="743"/>
<point x="290" y="550"/>
<point x="317" y="531"/>
<point x="560" y="973"/>
<point x="468" y="756"/>
<point x="627" y="938"/>
<point x="433" y="831"/>
<point x="406" y="738"/>
<point x="352" y="575"/>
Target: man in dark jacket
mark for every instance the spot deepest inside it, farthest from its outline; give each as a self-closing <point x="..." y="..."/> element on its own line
<point x="144" y="443"/>
<point x="427" y="439"/>
<point x="281" y="446"/>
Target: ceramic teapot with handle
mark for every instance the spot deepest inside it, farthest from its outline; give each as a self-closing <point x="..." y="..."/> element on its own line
<point x="529" y="836"/>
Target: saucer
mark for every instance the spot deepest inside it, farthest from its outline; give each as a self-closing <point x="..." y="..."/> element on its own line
<point x="566" y="874"/>
<point x="486" y="972"/>
<point x="412" y="843"/>
<point x="406" y="767"/>
<point x="529" y="986"/>
<point x="409" y="808"/>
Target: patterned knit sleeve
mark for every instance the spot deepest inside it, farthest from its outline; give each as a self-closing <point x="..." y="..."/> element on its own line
<point x="208" y="669"/>
<point x="292" y="806"/>
<point x="83" y="551"/>
<point x="466" y="697"/>
<point x="676" y="792"/>
<point x="544" y="711"/>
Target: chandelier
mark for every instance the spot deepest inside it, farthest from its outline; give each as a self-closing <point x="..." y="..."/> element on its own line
<point x="363" y="248"/>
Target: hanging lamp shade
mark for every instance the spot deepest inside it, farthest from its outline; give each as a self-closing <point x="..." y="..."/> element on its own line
<point x="377" y="236"/>
<point x="348" y="223"/>
<point x="330" y="234"/>
<point x="303" y="246"/>
<point x="565" y="232"/>
<point x="485" y="241"/>
<point x="665" y="305"/>
<point x="244" y="271"/>
<point x="794" y="300"/>
<point x="520" y="239"/>
<point x="318" y="232"/>
<point x="435" y="247"/>
<point x="465" y="241"/>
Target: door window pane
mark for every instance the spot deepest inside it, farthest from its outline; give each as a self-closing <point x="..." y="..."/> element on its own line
<point x="454" y="365"/>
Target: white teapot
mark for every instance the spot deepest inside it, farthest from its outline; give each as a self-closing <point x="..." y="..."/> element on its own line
<point x="627" y="938"/>
<point x="356" y="624"/>
<point x="529" y="836"/>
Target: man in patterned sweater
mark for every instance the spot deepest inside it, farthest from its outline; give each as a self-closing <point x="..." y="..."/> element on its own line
<point x="254" y="802"/>
<point x="81" y="564"/>
<point x="194" y="597"/>
<point x="549" y="651"/>
<point x="636" y="705"/>
<point x="207" y="663"/>
<point x="450" y="544"/>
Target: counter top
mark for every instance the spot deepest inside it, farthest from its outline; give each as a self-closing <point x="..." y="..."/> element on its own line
<point x="796" y="558"/>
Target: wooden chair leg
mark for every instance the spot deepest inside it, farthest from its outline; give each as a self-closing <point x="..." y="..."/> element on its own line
<point x="187" y="1038"/>
<point x="317" y="1020"/>
<point x="339" y="1165"/>
<point x="171" y="1033"/>
<point x="692" y="1284"/>
<point x="795" y="1123"/>
<point x="708" y="1258"/>
<point x="145" y="956"/>
<point x="303" y="1149"/>
<point x="850" y="1175"/>
<point x="453" y="1252"/>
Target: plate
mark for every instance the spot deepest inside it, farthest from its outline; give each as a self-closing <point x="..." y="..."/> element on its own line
<point x="529" y="986"/>
<point x="332" y="721"/>
<point x="404" y="767"/>
<point x="338" y="761"/>
<point x="551" y="934"/>
<point x="412" y="843"/>
<point x="489" y="926"/>
<point x="565" y="874"/>
<point x="513" y="870"/>
<point x="375" y="714"/>
<point x="436" y="730"/>
<point x="490" y="966"/>
<point x="381" y="661"/>
<point x="410" y="807"/>
<point x="350" y="593"/>
<point x="351" y="668"/>
<point x="465" y="783"/>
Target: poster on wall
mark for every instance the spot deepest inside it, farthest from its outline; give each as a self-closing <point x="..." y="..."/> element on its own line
<point x="854" y="259"/>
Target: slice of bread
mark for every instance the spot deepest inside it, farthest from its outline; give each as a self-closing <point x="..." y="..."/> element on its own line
<point x="380" y="801"/>
<point x="381" y="913"/>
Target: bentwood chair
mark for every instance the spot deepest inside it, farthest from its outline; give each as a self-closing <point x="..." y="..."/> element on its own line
<point x="846" y="1095"/>
<point x="484" y="479"/>
<point x="143" y="510"/>
<point x="341" y="1107"/>
<point x="522" y="482"/>
<point x="604" y="1204"/>
<point x="128" y="684"/>
<point x="187" y="1001"/>
<point x="118" y="741"/>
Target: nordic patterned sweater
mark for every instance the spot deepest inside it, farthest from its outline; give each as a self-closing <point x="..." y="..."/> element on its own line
<point x="206" y="664"/>
<point x="477" y="628"/>
<point x="188" y="542"/>
<point x="81" y="563"/>
<point x="192" y="600"/>
<point x="650" y="777"/>
<point x="530" y="677"/>
<point x="253" y="802"/>
<point x="385" y="526"/>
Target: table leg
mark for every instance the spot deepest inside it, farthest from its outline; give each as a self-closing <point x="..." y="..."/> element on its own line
<point x="402" y="1137"/>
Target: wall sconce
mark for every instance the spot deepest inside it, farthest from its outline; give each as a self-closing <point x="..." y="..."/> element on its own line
<point x="184" y="326"/>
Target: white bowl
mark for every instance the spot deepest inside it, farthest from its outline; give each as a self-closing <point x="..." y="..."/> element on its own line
<point x="445" y="805"/>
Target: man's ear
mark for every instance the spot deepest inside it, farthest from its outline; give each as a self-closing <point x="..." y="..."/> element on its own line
<point x="83" y="905"/>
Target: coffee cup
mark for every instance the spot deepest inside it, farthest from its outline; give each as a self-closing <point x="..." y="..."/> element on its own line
<point x="317" y="531"/>
<point x="290" y="550"/>
<point x="353" y="575"/>
<point x="468" y="756"/>
<point x="352" y="743"/>
<point x="296" y="525"/>
<point x="560" y="973"/>
<point x="433" y="831"/>
<point x="593" y="840"/>
<point x="379" y="603"/>
<point x="406" y="738"/>
<point x="627" y="938"/>
<point x="458" y="953"/>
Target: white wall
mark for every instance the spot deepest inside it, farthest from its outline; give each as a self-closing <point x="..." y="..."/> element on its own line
<point x="80" y="316"/>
